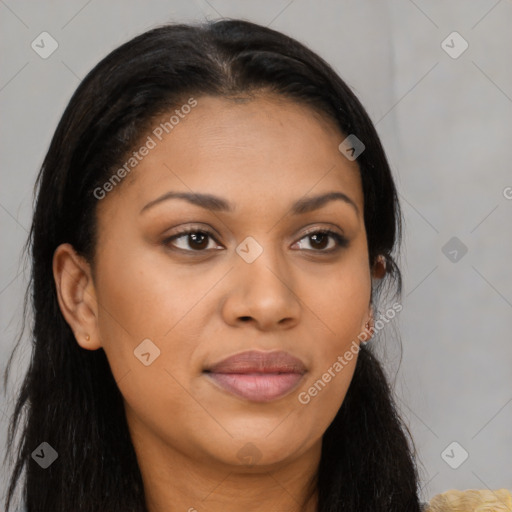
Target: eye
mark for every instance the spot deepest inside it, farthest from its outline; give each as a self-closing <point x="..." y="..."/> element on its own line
<point x="192" y="240"/>
<point x="202" y="240"/>
<point x="319" y="241"/>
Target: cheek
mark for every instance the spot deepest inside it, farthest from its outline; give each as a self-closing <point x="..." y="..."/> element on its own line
<point x="320" y="398"/>
<point x="143" y="318"/>
<point x="150" y="306"/>
<point x="340" y="300"/>
<point x="141" y="305"/>
<point x="340" y="306"/>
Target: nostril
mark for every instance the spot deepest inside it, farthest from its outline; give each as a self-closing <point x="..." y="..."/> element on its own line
<point x="245" y="318"/>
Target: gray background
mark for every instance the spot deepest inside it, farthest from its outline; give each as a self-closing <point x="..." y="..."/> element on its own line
<point x="445" y="124"/>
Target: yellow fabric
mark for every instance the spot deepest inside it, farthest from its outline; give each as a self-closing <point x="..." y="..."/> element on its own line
<point x="471" y="500"/>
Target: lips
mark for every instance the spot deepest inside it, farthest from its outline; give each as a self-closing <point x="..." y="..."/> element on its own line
<point x="258" y="376"/>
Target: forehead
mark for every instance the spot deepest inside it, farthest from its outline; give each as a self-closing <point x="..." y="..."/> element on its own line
<point x="252" y="149"/>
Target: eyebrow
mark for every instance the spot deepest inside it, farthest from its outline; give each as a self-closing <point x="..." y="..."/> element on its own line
<point x="218" y="204"/>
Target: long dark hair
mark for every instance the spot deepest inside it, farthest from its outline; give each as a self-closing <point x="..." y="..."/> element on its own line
<point x="69" y="396"/>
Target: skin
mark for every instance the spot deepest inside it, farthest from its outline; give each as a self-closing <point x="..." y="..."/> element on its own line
<point x="262" y="155"/>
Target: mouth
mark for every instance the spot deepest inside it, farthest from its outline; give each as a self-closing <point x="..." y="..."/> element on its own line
<point x="257" y="376"/>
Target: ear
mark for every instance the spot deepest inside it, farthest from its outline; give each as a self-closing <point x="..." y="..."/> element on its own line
<point x="379" y="268"/>
<point x="378" y="271"/>
<point x="76" y="295"/>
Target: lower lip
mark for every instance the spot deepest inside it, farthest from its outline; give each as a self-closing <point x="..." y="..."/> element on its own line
<point x="257" y="387"/>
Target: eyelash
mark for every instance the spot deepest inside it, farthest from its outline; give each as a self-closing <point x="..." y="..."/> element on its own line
<point x="340" y="240"/>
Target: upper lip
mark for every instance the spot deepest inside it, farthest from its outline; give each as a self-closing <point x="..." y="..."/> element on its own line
<point x="255" y="361"/>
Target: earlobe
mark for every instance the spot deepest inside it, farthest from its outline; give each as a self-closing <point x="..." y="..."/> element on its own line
<point x="76" y="295"/>
<point x="369" y="327"/>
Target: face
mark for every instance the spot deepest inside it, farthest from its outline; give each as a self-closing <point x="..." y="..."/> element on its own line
<point x="262" y="271"/>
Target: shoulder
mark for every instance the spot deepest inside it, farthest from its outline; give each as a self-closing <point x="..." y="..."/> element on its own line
<point x="471" y="500"/>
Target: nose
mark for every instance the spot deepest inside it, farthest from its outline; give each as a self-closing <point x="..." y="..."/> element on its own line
<point x="261" y="293"/>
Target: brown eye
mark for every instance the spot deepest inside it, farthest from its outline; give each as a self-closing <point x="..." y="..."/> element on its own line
<point x="198" y="240"/>
<point x="192" y="240"/>
<point x="320" y="241"/>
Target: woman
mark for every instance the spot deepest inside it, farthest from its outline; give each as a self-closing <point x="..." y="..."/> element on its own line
<point x="215" y="224"/>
